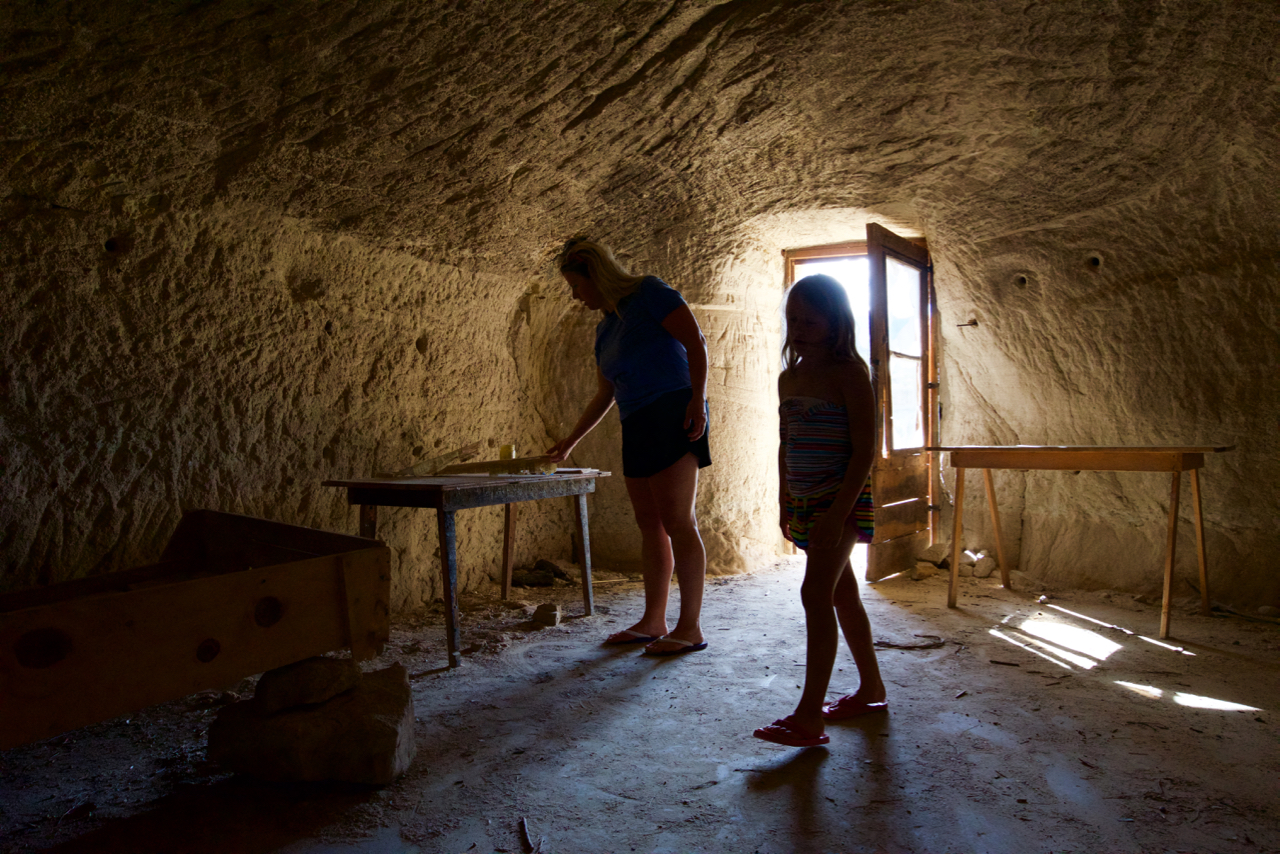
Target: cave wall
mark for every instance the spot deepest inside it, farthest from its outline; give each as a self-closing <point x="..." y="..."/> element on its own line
<point x="248" y="246"/>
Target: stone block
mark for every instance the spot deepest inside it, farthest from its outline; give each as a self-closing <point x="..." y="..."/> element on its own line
<point x="362" y="736"/>
<point x="923" y="570"/>
<point x="985" y="567"/>
<point x="547" y="614"/>
<point x="937" y="554"/>
<point x="312" y="680"/>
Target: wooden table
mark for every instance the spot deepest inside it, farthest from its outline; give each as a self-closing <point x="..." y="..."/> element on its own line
<point x="1166" y="458"/>
<point x="450" y="493"/>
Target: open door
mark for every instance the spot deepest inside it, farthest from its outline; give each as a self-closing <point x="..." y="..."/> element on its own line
<point x="903" y="366"/>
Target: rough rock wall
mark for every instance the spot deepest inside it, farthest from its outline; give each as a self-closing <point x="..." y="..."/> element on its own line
<point x="1150" y="321"/>
<point x="234" y="362"/>
<point x="251" y="245"/>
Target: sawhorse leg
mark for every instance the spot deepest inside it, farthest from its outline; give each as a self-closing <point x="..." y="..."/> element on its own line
<point x="449" y="577"/>
<point x="1167" y="599"/>
<point x="1205" y="608"/>
<point x="995" y="525"/>
<point x="957" y="528"/>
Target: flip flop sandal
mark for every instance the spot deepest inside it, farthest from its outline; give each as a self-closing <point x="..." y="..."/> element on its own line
<point x="849" y="707"/>
<point x="684" y="646"/>
<point x="628" y="636"/>
<point x="782" y="732"/>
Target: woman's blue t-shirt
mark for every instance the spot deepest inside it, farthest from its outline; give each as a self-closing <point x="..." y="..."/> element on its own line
<point x="641" y="359"/>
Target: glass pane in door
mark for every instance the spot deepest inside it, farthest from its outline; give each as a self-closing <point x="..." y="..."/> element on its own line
<point x="903" y="298"/>
<point x="904" y="389"/>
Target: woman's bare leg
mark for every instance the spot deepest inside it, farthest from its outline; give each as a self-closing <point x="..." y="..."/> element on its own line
<point x="674" y="491"/>
<point x="655" y="557"/>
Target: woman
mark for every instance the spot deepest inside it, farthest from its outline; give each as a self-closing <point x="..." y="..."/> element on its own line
<point x="651" y="359"/>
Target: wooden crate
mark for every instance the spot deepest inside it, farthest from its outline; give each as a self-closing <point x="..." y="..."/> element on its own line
<point x="232" y="596"/>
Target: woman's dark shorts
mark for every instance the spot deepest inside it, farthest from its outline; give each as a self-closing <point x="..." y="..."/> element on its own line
<point x="654" y="437"/>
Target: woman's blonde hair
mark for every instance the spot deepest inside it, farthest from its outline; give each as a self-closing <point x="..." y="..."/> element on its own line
<point x="597" y="262"/>
<point x="828" y="297"/>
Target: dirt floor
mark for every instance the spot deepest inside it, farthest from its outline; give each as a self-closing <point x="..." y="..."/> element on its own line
<point x="1016" y="725"/>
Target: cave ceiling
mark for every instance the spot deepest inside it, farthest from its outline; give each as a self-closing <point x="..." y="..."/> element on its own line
<point x="482" y="133"/>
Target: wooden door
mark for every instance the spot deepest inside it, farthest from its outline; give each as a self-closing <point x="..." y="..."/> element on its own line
<point x="903" y="370"/>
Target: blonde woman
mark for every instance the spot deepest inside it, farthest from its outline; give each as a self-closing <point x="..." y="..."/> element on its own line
<point x="651" y="359"/>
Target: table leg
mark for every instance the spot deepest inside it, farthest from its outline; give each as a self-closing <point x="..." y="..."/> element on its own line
<point x="1205" y="608"/>
<point x="508" y="548"/>
<point x="369" y="521"/>
<point x="995" y="524"/>
<point x="449" y="577"/>
<point x="580" y="508"/>
<point x="1167" y="599"/>
<point x="957" y="527"/>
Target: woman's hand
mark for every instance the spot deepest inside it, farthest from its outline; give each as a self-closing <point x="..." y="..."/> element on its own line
<point x="695" y="417"/>
<point x="560" y="450"/>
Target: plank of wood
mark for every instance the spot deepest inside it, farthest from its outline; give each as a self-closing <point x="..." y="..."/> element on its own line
<point x="905" y="517"/>
<point x="900" y="552"/>
<point x="898" y="481"/>
<point x="1142" y="449"/>
<point x="1076" y="460"/>
<point x="74" y="662"/>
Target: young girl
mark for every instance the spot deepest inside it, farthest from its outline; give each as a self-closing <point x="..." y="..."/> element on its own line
<point x="828" y="441"/>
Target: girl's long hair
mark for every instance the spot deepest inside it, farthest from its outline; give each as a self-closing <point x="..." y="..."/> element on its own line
<point x="597" y="262"/>
<point x="828" y="297"/>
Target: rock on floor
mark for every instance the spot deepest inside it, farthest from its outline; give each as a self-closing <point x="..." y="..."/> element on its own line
<point x="362" y="736"/>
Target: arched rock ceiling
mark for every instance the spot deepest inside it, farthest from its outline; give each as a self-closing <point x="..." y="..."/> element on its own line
<point x="485" y="131"/>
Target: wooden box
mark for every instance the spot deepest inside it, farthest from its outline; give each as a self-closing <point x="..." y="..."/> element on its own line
<point x="232" y="596"/>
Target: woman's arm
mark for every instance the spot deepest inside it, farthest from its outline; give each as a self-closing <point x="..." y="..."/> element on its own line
<point x="860" y="403"/>
<point x="596" y="408"/>
<point x="683" y="327"/>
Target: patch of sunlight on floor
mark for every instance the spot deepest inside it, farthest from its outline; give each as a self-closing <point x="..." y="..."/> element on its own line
<point x="1149" y="691"/>
<point x="1165" y="645"/>
<point x="1034" y="651"/>
<point x="1081" y="640"/>
<point x="1080" y="616"/>
<point x="1196" y="702"/>
<point x="1191" y="701"/>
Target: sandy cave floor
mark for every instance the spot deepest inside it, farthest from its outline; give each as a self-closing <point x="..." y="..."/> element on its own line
<point x="1017" y="726"/>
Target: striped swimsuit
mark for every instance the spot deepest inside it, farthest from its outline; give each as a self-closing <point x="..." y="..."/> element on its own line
<point x="818" y="447"/>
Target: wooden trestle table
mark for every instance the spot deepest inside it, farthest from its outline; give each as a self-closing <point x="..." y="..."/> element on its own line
<point x="447" y="494"/>
<point x="1166" y="458"/>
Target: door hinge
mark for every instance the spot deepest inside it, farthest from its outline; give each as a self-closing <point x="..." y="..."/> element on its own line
<point x="931" y="385"/>
<point x="933" y="507"/>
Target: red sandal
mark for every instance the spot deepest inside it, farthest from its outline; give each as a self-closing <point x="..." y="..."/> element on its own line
<point x="783" y="731"/>
<point x="849" y="706"/>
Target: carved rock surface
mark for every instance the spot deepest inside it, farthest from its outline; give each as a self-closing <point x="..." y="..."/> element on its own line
<point x="312" y="680"/>
<point x="362" y="736"/>
<point x="250" y="252"/>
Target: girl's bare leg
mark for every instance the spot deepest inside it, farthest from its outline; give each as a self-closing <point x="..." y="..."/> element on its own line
<point x="823" y="571"/>
<point x="674" y="490"/>
<point x="857" y="633"/>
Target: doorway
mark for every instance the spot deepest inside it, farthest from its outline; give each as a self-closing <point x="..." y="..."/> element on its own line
<point x="889" y="282"/>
